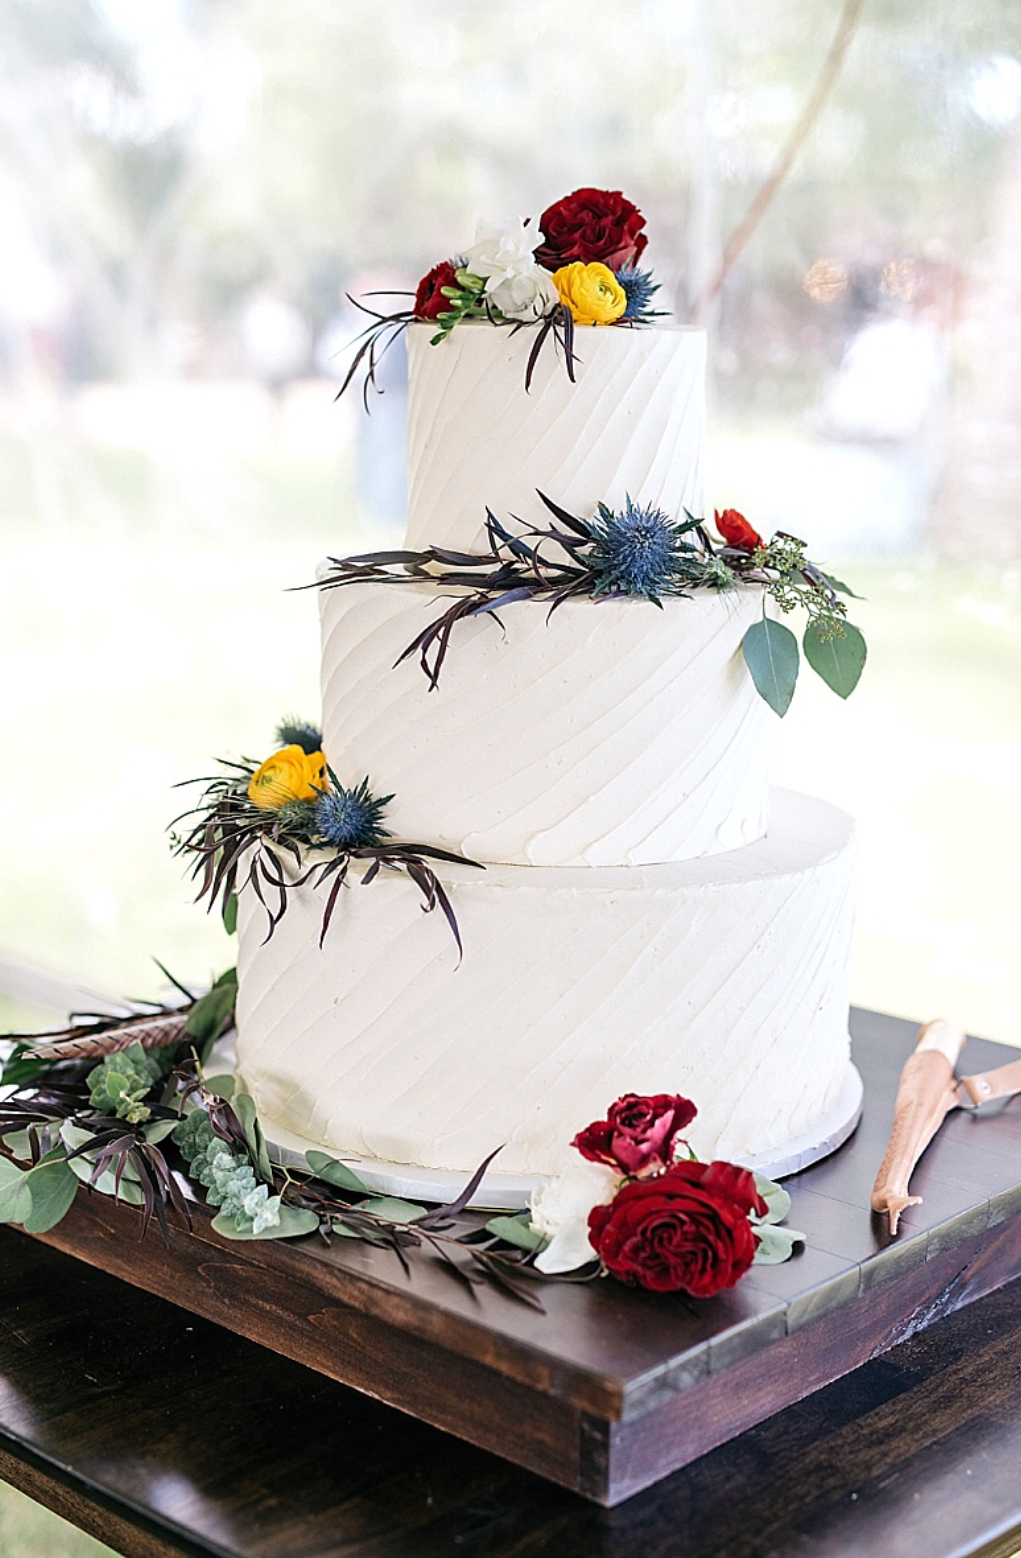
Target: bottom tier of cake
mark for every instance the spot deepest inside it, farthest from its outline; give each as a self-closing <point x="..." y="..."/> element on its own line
<point x="724" y="979"/>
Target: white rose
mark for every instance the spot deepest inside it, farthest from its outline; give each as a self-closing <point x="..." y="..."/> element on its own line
<point x="560" y="1210"/>
<point x="501" y="248"/>
<point x="526" y="294"/>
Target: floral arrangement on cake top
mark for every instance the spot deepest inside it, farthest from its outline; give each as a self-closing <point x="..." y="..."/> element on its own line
<point x="126" y="1107"/>
<point x="633" y="552"/>
<point x="576" y="264"/>
<point x="292" y="803"/>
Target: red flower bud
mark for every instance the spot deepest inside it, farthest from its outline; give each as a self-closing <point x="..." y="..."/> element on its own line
<point x="637" y="1137"/>
<point x="736" y="531"/>
<point x="429" y="300"/>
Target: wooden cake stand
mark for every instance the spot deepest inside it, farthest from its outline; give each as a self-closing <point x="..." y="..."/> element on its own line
<point x="612" y="1389"/>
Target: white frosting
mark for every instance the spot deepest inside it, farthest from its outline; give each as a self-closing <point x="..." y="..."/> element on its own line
<point x="632" y="424"/>
<point x="608" y="734"/>
<point x="724" y="979"/>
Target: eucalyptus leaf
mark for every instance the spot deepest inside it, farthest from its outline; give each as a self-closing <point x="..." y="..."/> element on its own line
<point x="392" y="1209"/>
<point x="776" y="1244"/>
<point x="223" y="1086"/>
<point x="771" y="654"/>
<point x="15" y="1194"/>
<point x="53" y="1188"/>
<point x="159" y="1130"/>
<point x="75" y="1135"/>
<point x="775" y="1197"/>
<point x="840" y="586"/>
<point x="130" y="1189"/>
<point x="244" y="1108"/>
<point x="294" y="1223"/>
<point x="230" y="914"/>
<point x="19" y="1145"/>
<point x="839" y="660"/>
<point x="517" y="1231"/>
<point x="335" y="1173"/>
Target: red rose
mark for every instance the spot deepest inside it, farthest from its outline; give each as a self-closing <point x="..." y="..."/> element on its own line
<point x="590" y="225"/>
<point x="429" y="300"/>
<point x="638" y="1133"/>
<point x="736" y="531"/>
<point x="687" y="1230"/>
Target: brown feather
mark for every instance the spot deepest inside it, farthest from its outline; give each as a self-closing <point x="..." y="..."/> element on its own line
<point x="155" y="1032"/>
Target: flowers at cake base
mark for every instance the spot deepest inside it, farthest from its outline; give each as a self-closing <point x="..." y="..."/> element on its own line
<point x="689" y="1229"/>
<point x="653" y="1216"/>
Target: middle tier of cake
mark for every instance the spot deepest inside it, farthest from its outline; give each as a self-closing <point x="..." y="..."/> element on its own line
<point x="603" y="734"/>
<point x="725" y="979"/>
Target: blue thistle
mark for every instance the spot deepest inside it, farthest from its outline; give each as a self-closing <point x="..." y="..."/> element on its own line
<point x="637" y="552"/>
<point x="351" y="819"/>
<point x="293" y="732"/>
<point x="638" y="289"/>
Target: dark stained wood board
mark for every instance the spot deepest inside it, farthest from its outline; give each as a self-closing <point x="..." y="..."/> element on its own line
<point x="168" y="1437"/>
<point x="612" y="1389"/>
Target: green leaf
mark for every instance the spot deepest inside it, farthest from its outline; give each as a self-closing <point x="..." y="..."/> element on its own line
<point x="517" y="1231"/>
<point x="839" y="586"/>
<point x="771" y="654"/>
<point x="244" y="1108"/>
<point x="776" y="1244"/>
<point x="21" y="1067"/>
<point x="230" y="914"/>
<point x="294" y="1223"/>
<point x="213" y="1011"/>
<point x="335" y="1173"/>
<point x="159" y="1130"/>
<point x="19" y="1145"/>
<point x="15" y="1193"/>
<point x="775" y="1197"/>
<point x="53" y="1187"/>
<point x="223" y="1086"/>
<point x="130" y="1191"/>
<point x="392" y="1209"/>
<point x="839" y="660"/>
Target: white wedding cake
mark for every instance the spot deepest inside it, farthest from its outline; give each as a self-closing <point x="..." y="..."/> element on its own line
<point x="649" y="917"/>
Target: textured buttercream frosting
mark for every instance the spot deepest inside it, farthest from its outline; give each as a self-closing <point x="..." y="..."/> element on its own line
<point x="631" y="425"/>
<point x="605" y="734"/>
<point x="724" y="979"/>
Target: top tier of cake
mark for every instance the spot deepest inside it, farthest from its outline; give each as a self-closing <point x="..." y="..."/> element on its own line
<point x="632" y="425"/>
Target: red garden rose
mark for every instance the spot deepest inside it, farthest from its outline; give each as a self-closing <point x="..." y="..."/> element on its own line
<point x="687" y="1230"/>
<point x="591" y="225"/>
<point x="736" y="530"/>
<point x="638" y="1133"/>
<point x="429" y="300"/>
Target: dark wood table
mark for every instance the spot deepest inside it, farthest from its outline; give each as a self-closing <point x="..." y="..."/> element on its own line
<point x="163" y="1433"/>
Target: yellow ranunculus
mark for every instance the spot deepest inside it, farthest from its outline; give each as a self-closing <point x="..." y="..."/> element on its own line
<point x="289" y="775"/>
<point x="592" y="292"/>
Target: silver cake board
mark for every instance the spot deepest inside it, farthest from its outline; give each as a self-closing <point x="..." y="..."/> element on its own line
<point x="512" y="1192"/>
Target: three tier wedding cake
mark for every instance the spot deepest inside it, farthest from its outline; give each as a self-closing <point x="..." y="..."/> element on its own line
<point x="635" y="909"/>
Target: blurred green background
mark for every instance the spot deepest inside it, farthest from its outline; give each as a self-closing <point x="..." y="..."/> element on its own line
<point x="189" y="188"/>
